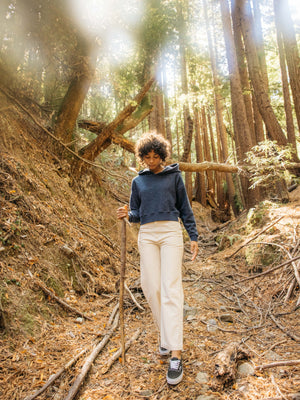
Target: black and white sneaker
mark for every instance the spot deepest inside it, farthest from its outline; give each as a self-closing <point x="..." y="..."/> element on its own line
<point x="163" y="351"/>
<point x="175" y="371"/>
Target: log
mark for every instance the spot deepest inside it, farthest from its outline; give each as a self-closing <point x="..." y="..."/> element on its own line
<point x="226" y="363"/>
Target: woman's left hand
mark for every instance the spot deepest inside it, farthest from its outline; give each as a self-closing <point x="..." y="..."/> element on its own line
<point x="194" y="249"/>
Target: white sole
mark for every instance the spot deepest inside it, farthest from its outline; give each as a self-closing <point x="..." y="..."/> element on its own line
<point x="174" y="381"/>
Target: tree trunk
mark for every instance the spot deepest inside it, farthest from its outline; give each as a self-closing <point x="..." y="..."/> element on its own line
<point x="285" y="26"/>
<point x="188" y="122"/>
<point x="78" y="88"/>
<point x="262" y="97"/>
<point x="166" y="104"/>
<point x="207" y="153"/>
<point x="117" y="136"/>
<point x="285" y="86"/>
<point x="200" y="189"/>
<point x="219" y="116"/>
<point x="92" y="150"/>
<point x="240" y="122"/>
<point x="240" y="52"/>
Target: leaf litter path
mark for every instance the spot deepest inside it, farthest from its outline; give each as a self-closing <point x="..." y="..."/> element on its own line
<point x="241" y="313"/>
<point x="238" y="313"/>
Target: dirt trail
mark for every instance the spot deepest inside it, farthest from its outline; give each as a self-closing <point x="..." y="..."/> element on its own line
<point x="68" y="238"/>
<point x="237" y="314"/>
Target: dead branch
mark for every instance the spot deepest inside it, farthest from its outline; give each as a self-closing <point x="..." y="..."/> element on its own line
<point x="89" y="361"/>
<point x="273" y="346"/>
<point x="133" y="298"/>
<point x="91" y="151"/>
<point x="264" y="273"/>
<point x="255" y="236"/>
<point x="118" y="353"/>
<point x="69" y="363"/>
<point x="53" y="378"/>
<point x="278" y="388"/>
<point x="283" y="329"/>
<point x="278" y="364"/>
<point x="226" y="363"/>
<point x="50" y="293"/>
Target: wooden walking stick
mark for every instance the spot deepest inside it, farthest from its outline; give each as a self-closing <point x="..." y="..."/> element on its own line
<point x="122" y="281"/>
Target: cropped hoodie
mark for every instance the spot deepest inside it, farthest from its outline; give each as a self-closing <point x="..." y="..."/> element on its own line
<point x="161" y="197"/>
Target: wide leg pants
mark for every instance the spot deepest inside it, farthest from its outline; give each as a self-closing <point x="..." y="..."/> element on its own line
<point x="161" y="251"/>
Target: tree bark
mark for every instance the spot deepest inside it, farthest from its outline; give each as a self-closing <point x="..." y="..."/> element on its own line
<point x="72" y="102"/>
<point x="283" y="15"/>
<point x="241" y="128"/>
<point x="187" y="119"/>
<point x="200" y="192"/>
<point x="262" y="97"/>
<point x="207" y="153"/>
<point x="93" y="149"/>
<point x="223" y="156"/>
<point x="166" y="104"/>
<point x="285" y="85"/>
<point x="117" y="136"/>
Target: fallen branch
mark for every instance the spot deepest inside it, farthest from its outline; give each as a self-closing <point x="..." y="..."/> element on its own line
<point x="278" y="388"/>
<point x="278" y="364"/>
<point x="69" y="364"/>
<point x="133" y="298"/>
<point x="264" y="273"/>
<point x="89" y="361"/>
<point x="57" y="299"/>
<point x="53" y="378"/>
<point x="284" y="330"/>
<point x="255" y="236"/>
<point x="118" y="353"/>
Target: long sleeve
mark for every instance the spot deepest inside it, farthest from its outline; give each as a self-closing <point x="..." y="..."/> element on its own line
<point x="134" y="204"/>
<point x="185" y="209"/>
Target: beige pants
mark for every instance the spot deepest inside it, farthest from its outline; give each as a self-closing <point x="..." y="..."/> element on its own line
<point x="161" y="251"/>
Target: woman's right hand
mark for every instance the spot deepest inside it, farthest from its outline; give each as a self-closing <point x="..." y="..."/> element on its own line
<point x="122" y="212"/>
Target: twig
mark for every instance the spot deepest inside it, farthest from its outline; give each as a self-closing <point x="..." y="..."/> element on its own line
<point x="89" y="361"/>
<point x="68" y="365"/>
<point x="272" y="347"/>
<point x="282" y="328"/>
<point x="266" y="272"/>
<point x="57" y="375"/>
<point x="278" y="364"/>
<point x="57" y="299"/>
<point x="118" y="353"/>
<point x="99" y="232"/>
<point x="277" y="388"/>
<point x="255" y="236"/>
<point x="133" y="298"/>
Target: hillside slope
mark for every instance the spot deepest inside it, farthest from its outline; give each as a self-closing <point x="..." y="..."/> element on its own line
<point x="59" y="277"/>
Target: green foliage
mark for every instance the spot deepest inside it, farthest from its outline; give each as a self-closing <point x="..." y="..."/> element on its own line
<point x="226" y="241"/>
<point x="262" y="254"/>
<point x="257" y="216"/>
<point x="267" y="163"/>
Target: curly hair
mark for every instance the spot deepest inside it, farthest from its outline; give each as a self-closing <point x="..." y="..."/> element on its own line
<point x="152" y="141"/>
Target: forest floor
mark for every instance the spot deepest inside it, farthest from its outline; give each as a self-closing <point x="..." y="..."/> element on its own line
<point x="59" y="287"/>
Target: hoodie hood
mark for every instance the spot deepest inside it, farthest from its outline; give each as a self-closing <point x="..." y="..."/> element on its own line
<point x="169" y="169"/>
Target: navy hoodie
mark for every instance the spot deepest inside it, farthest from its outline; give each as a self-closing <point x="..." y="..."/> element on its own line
<point x="161" y="197"/>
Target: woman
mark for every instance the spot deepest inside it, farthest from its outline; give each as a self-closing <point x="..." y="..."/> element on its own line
<point x="158" y="199"/>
